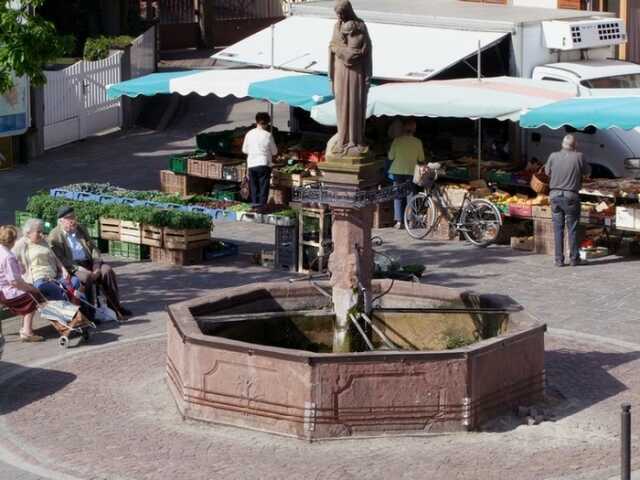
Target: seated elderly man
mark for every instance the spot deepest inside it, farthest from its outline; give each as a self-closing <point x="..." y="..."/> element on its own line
<point x="73" y="246"/>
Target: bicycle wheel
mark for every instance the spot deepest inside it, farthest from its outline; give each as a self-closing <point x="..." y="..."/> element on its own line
<point x="419" y="216"/>
<point x="480" y="222"/>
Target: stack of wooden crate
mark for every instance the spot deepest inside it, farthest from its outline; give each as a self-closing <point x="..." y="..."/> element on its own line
<point x="182" y="184"/>
<point x="166" y="245"/>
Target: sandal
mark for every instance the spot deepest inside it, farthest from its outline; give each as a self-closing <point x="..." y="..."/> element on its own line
<point x="30" y="338"/>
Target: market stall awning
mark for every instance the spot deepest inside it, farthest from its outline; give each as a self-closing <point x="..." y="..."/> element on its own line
<point x="580" y="113"/>
<point x="502" y="98"/>
<point x="400" y="52"/>
<point x="296" y="89"/>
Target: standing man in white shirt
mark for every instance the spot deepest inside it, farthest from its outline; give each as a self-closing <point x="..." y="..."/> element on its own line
<point x="260" y="148"/>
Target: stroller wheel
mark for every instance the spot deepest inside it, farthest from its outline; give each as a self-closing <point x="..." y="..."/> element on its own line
<point x="86" y="335"/>
<point x="63" y="342"/>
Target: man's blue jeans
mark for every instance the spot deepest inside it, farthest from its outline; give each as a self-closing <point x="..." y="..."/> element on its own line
<point x="565" y="209"/>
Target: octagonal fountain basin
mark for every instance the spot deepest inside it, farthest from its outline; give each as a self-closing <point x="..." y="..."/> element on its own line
<point x="258" y="357"/>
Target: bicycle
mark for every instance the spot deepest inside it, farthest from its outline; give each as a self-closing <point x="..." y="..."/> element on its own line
<point x="478" y="220"/>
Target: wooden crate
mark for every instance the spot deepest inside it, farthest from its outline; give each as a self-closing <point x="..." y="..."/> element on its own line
<point x="183" y="184"/>
<point x="383" y="215"/>
<point x="279" y="179"/>
<point x="185" y="239"/>
<point x="130" y="232"/>
<point x="151" y="236"/>
<point x="234" y="173"/>
<point x="522" y="243"/>
<point x="544" y="239"/>
<point x="441" y="231"/>
<point x="205" y="168"/>
<point x="177" y="257"/>
<point x="109" y="229"/>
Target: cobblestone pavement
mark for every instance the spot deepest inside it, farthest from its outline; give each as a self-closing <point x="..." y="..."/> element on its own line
<point x="108" y="415"/>
<point x="102" y="410"/>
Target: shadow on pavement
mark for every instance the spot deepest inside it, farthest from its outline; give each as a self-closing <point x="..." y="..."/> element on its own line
<point x="576" y="380"/>
<point x="30" y="386"/>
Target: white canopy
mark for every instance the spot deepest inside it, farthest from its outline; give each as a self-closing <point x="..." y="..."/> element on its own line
<point x="502" y="98"/>
<point x="400" y="52"/>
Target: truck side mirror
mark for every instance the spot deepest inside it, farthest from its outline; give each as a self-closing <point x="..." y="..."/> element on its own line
<point x="536" y="137"/>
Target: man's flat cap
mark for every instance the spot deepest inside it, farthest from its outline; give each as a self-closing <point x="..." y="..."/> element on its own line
<point x="64" y="211"/>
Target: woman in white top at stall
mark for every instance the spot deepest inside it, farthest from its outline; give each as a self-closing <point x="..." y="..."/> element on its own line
<point x="260" y="148"/>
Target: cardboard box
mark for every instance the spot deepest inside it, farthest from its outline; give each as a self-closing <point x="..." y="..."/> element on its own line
<point x="542" y="211"/>
<point x="523" y="243"/>
<point x="626" y="217"/>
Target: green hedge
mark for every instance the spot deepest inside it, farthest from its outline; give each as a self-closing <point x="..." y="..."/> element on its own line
<point x="98" y="48"/>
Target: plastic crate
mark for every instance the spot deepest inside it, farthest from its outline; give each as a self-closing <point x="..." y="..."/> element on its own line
<point x="128" y="250"/>
<point x="103" y="245"/>
<point x="93" y="229"/>
<point x="21" y="217"/>
<point x="502" y="178"/>
<point x="63" y="193"/>
<point x="87" y="197"/>
<point x="286" y="248"/>
<point x="217" y="142"/>
<point x="458" y="173"/>
<point x="178" y="164"/>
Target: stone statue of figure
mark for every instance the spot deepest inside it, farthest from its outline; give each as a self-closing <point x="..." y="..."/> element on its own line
<point x="350" y="71"/>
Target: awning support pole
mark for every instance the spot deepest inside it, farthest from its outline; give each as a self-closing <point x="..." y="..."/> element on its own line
<point x="273" y="49"/>
<point x="479" y="122"/>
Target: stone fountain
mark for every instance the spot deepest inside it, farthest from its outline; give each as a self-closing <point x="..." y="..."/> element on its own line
<point x="351" y="356"/>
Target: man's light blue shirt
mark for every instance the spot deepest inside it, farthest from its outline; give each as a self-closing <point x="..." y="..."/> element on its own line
<point x="78" y="251"/>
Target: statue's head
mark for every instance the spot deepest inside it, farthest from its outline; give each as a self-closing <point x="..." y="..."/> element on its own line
<point x="344" y="10"/>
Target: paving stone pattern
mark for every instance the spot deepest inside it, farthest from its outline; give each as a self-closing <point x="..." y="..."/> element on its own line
<point x="101" y="411"/>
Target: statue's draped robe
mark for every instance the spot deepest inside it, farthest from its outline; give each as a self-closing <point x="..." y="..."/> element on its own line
<point x="350" y="70"/>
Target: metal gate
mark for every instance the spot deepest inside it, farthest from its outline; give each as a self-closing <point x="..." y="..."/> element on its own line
<point x="75" y="101"/>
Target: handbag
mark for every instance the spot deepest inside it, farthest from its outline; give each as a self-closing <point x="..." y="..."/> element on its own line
<point x="245" y="191"/>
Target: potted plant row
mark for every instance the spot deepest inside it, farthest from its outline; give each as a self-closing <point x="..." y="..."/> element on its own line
<point x="170" y="229"/>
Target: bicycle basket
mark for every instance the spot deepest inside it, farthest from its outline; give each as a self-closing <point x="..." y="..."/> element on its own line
<point x="424" y="176"/>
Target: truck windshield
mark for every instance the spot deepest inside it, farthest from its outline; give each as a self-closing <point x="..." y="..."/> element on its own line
<point x="631" y="80"/>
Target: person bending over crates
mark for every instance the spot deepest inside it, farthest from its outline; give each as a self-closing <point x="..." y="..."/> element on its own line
<point x="80" y="257"/>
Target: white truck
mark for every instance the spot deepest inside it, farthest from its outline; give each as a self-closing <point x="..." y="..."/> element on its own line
<point x="431" y="39"/>
<point x="612" y="152"/>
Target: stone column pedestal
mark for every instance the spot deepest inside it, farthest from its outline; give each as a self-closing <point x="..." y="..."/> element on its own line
<point x="351" y="263"/>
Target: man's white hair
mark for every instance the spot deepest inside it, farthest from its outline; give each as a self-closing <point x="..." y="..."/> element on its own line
<point x="569" y="142"/>
<point x="30" y="225"/>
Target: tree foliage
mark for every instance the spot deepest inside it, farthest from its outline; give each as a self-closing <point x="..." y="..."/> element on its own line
<point x="27" y="42"/>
